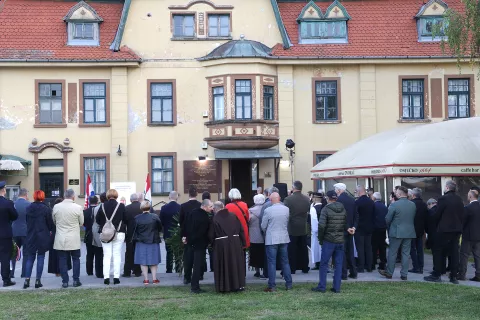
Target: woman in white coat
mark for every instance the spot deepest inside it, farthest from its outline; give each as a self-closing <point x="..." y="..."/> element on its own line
<point x="315" y="248"/>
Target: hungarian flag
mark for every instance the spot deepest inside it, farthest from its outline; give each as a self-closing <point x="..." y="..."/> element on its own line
<point x="148" y="191"/>
<point x="88" y="190"/>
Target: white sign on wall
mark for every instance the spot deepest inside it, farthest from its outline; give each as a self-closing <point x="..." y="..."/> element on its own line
<point x="124" y="189"/>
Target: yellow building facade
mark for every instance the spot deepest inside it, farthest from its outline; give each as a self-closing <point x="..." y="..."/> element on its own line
<point x="207" y="92"/>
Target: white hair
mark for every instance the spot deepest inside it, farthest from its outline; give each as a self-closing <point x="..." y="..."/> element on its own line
<point x="234" y="194"/>
<point x="140" y="196"/>
<point x="377" y="196"/>
<point x="259" y="199"/>
<point x="173" y="195"/>
<point x="340" y="186"/>
<point x="134" y="197"/>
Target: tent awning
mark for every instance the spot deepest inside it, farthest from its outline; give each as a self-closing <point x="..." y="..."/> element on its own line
<point x="247" y="154"/>
<point x="444" y="148"/>
<point x="11" y="165"/>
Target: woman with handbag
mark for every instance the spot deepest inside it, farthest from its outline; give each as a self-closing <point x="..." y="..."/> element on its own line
<point x="147" y="242"/>
<point x="39" y="225"/>
<point x="112" y="227"/>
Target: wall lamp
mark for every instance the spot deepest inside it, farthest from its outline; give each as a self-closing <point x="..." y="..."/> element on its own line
<point x="119" y="151"/>
<point x="201" y="158"/>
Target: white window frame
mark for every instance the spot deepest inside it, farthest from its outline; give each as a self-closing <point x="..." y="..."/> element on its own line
<point x="429" y="38"/>
<point x="83" y="42"/>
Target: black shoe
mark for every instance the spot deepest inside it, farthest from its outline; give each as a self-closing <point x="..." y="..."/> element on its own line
<point x="403" y="278"/>
<point x="306" y="270"/>
<point x="116" y="281"/>
<point x="454" y="280"/>
<point x="9" y="283"/>
<point x="432" y="278"/>
<point x="126" y="275"/>
<point x="263" y="277"/>
<point x="65" y="285"/>
<point x="137" y="275"/>
<point x="461" y="278"/>
<point x="317" y="289"/>
<point x="334" y="291"/>
<point x="26" y="284"/>
<point x="106" y="282"/>
<point x="100" y="276"/>
<point x="169" y="271"/>
<point x="476" y="279"/>
<point x="201" y="278"/>
<point x="77" y="283"/>
<point x="185" y="281"/>
<point x="89" y="274"/>
<point x="351" y="276"/>
<point x="198" y="291"/>
<point x="344" y="278"/>
<point x="419" y="271"/>
<point x="38" y="284"/>
<point x="385" y="274"/>
<point x="257" y="275"/>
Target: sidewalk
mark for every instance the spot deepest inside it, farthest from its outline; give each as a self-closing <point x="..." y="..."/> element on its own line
<point x="50" y="281"/>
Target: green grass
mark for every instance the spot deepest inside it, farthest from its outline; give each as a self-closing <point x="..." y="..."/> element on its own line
<point x="405" y="300"/>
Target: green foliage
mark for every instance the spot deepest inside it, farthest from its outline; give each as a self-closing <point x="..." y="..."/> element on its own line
<point x="175" y="242"/>
<point x="463" y="33"/>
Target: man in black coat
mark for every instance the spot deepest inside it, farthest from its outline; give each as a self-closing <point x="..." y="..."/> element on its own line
<point x="185" y="209"/>
<point x="167" y="213"/>
<point x="7" y="215"/>
<point x="197" y="227"/>
<point x="470" y="237"/>
<point x="131" y="211"/>
<point x="93" y="252"/>
<point x="379" y="232"/>
<point x="449" y="216"/>
<point x="352" y="220"/>
<point x="363" y="233"/>
<point x="421" y="218"/>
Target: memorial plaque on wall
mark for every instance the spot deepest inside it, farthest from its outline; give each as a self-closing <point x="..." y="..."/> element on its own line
<point x="202" y="174"/>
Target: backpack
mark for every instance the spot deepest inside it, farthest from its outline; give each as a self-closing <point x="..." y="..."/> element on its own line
<point x="108" y="231"/>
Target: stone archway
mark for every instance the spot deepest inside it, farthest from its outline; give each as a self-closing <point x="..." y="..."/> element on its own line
<point x="36" y="150"/>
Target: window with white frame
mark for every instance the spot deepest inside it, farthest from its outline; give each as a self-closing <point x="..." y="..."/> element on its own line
<point x="50" y="101"/>
<point x="83" y="34"/>
<point x="219" y="25"/>
<point x="218" y="103"/>
<point x="458" y="98"/>
<point x="161" y="102"/>
<point x="412" y="98"/>
<point x="96" y="167"/>
<point x="162" y="174"/>
<point x="431" y="28"/>
<point x="94" y="97"/>
<point x="183" y="26"/>
<point x="243" y="99"/>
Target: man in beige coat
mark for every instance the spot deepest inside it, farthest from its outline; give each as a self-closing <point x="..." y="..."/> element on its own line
<point x="68" y="217"/>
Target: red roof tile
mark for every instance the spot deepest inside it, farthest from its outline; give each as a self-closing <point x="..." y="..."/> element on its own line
<point x="377" y="28"/>
<point x="35" y="30"/>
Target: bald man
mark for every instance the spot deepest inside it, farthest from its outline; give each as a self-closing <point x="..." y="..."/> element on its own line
<point x="275" y="227"/>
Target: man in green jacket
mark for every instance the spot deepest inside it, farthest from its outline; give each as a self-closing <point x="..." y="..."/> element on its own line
<point x="401" y="230"/>
<point x="332" y="225"/>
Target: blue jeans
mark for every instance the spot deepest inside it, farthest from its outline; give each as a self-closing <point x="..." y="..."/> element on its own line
<point x="29" y="264"/>
<point x="416" y="252"/>
<point x="272" y="264"/>
<point x="328" y="250"/>
<point x="62" y="257"/>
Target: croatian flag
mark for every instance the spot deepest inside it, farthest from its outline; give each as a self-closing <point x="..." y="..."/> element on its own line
<point x="148" y="191"/>
<point x="88" y="190"/>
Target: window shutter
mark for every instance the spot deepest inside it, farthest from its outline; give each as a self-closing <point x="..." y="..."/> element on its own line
<point x="436" y="98"/>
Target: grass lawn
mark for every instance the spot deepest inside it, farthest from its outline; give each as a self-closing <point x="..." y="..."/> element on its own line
<point x="406" y="300"/>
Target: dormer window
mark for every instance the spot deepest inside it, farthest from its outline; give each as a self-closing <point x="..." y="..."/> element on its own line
<point x="316" y="27"/>
<point x="430" y="21"/>
<point x="83" y="25"/>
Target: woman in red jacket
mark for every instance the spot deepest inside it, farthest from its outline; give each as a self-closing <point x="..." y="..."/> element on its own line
<point x="240" y="209"/>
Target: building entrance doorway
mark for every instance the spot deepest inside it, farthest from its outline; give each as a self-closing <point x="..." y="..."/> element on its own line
<point x="241" y="178"/>
<point x="52" y="185"/>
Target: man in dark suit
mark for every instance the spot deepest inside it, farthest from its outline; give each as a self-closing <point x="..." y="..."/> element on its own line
<point x="363" y="233"/>
<point x="197" y="226"/>
<point x="93" y="252"/>
<point x="379" y="232"/>
<point x="7" y="215"/>
<point x="470" y="237"/>
<point x="421" y="218"/>
<point x="167" y="213"/>
<point x="131" y="211"/>
<point x="19" y="228"/>
<point x="352" y="221"/>
<point x="185" y="209"/>
<point x="449" y="216"/>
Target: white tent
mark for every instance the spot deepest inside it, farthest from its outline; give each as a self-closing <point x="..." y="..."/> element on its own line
<point x="11" y="165"/>
<point x="446" y="148"/>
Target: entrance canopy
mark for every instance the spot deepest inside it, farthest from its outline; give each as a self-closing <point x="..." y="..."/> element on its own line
<point x="448" y="148"/>
<point x="247" y="154"/>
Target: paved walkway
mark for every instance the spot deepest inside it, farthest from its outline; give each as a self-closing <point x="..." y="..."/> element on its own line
<point x="50" y="281"/>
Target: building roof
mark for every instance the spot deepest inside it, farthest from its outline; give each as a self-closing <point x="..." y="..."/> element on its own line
<point x="239" y="49"/>
<point x="376" y="29"/>
<point x="449" y="145"/>
<point x="34" y="30"/>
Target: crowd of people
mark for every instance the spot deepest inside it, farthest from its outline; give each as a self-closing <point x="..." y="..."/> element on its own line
<point x="346" y="233"/>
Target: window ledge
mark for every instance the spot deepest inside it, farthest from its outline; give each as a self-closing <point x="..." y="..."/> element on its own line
<point x="200" y="39"/>
<point x="50" y="125"/>
<point x="447" y="119"/>
<point x="93" y="125"/>
<point x="238" y="121"/>
<point x="414" y="120"/>
<point x="328" y="122"/>
<point x="162" y="124"/>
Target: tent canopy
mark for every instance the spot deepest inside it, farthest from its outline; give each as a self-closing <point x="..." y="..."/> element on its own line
<point x="440" y="149"/>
